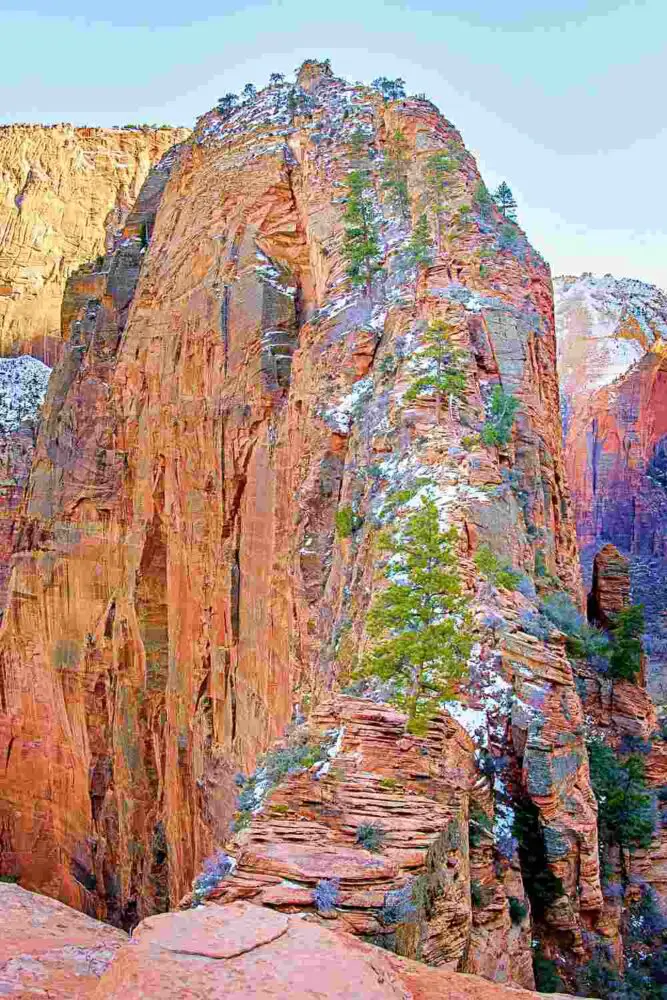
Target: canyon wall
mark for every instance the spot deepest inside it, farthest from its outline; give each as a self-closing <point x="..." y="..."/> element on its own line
<point x="63" y="191"/>
<point x="181" y="587"/>
<point x="613" y="366"/>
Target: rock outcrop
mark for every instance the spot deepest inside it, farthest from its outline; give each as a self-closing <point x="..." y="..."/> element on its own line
<point x="423" y="795"/>
<point x="63" y="192"/>
<point x="181" y="587"/>
<point x="49" y="950"/>
<point x="243" y="951"/>
<point x="613" y="367"/>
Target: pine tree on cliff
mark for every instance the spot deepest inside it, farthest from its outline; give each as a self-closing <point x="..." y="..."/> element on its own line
<point x="439" y="367"/>
<point x="504" y="200"/>
<point x="362" y="242"/>
<point x="419" y="624"/>
<point x="395" y="175"/>
<point x="419" y="251"/>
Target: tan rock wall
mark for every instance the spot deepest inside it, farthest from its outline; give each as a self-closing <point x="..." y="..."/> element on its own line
<point x="63" y="192"/>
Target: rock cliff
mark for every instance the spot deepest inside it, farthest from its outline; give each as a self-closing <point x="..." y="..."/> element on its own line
<point x="63" y="191"/>
<point x="227" y="433"/>
<point x="611" y="349"/>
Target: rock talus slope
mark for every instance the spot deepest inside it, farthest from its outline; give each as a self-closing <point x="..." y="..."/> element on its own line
<point x="63" y="191"/>
<point x="179" y="590"/>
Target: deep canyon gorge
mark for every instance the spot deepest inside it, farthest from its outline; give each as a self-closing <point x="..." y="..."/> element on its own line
<point x="191" y="543"/>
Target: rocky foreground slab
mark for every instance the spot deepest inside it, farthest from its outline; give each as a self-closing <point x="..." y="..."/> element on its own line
<point x="234" y="951"/>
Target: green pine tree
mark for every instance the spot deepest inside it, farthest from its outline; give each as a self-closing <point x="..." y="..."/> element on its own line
<point x="419" y="624"/>
<point x="504" y="200"/>
<point x="625" y="805"/>
<point x="626" y="650"/>
<point x="440" y="368"/>
<point x="497" y="429"/>
<point x="419" y="251"/>
<point x="395" y="174"/>
<point x="361" y="245"/>
<point x="439" y="179"/>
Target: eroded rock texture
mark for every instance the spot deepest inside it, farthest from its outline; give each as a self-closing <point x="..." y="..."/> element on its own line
<point x="63" y="192"/>
<point x="178" y="585"/>
<point x="611" y="345"/>
<point x="424" y="795"/>
<point x="50" y="950"/>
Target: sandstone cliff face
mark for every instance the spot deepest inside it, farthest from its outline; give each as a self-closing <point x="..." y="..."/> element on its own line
<point x="611" y="348"/>
<point x="63" y="191"/>
<point x="178" y="586"/>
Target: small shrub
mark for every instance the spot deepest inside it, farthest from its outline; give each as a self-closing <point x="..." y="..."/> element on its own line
<point x="497" y="429"/>
<point x="470" y="441"/>
<point x="399" y="906"/>
<point x="545" y="969"/>
<point x="273" y="767"/>
<point x="480" y="827"/>
<point x="347" y="522"/>
<point x="11" y="879"/>
<point x="536" y="625"/>
<point x="327" y="892"/>
<point x="498" y="571"/>
<point x="214" y="870"/>
<point x="480" y="895"/>
<point x="518" y="910"/>
<point x="390" y="784"/>
<point x="370" y="836"/>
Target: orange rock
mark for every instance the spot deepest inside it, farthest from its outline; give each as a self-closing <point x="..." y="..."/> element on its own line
<point x="243" y="951"/>
<point x="50" y="950"/>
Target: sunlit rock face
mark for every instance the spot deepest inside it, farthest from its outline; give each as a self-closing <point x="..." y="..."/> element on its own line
<point x="612" y="336"/>
<point x="179" y="585"/>
<point x="23" y="383"/>
<point x="63" y="192"/>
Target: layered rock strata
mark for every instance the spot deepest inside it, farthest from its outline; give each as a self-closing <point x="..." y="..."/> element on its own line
<point x="179" y="585"/>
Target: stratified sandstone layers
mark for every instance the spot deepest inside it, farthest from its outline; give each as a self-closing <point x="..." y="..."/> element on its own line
<point x="63" y="192"/>
<point x="179" y="588"/>
<point x="611" y="348"/>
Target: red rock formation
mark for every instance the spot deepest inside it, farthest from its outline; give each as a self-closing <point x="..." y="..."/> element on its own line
<point x="420" y="793"/>
<point x="50" y="950"/>
<point x="610" y="590"/>
<point x="611" y="336"/>
<point x="178" y="583"/>
<point x="242" y="951"/>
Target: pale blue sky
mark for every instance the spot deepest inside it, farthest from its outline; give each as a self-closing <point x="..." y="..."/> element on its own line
<point x="563" y="98"/>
